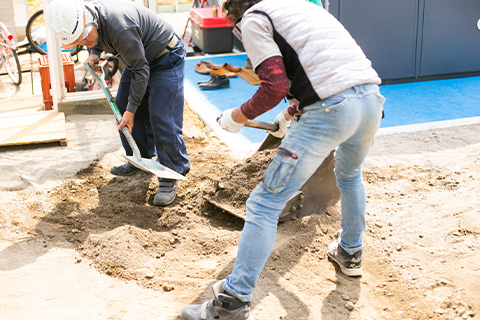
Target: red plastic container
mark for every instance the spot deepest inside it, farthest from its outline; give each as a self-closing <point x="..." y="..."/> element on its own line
<point x="211" y="34"/>
<point x="69" y="75"/>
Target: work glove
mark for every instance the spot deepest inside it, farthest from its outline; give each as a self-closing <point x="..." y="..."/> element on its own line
<point x="282" y="126"/>
<point x="226" y="122"/>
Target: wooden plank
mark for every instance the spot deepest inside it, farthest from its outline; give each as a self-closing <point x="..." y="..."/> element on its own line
<point x="39" y="127"/>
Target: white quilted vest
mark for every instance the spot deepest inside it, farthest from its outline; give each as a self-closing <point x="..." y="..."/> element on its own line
<point x="329" y="58"/>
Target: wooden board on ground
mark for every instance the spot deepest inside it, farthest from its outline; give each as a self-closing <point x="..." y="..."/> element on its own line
<point x="38" y="127"/>
<point x="250" y="76"/>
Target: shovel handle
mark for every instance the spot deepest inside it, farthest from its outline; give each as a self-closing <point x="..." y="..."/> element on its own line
<point x="113" y="106"/>
<point x="261" y="125"/>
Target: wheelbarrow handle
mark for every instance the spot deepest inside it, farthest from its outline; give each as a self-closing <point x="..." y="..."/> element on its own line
<point x="261" y="125"/>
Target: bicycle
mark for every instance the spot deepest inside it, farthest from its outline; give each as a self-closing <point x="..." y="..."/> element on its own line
<point x="37" y="35"/>
<point x="8" y="55"/>
<point x="109" y="64"/>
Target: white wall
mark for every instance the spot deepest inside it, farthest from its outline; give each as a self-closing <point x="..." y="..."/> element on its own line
<point x="14" y="14"/>
<point x="7" y="16"/>
<point x="20" y="8"/>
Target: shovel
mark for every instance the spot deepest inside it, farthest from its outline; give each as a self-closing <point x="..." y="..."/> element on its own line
<point x="270" y="142"/>
<point x="145" y="164"/>
<point x="316" y="194"/>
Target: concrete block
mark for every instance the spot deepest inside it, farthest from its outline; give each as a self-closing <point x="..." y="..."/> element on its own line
<point x="85" y="103"/>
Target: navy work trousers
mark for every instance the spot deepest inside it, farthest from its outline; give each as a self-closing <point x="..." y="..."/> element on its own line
<point x="157" y="127"/>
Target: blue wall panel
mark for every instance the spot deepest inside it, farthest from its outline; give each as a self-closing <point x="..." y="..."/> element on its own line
<point x="409" y="39"/>
<point x="387" y="32"/>
<point x="451" y="39"/>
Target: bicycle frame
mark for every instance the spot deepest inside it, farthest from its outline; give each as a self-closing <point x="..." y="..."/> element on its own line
<point x="7" y="36"/>
<point x="9" y="56"/>
<point x="90" y="84"/>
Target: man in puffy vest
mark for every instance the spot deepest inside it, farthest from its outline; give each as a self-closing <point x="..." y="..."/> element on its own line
<point x="301" y="52"/>
<point x="150" y="93"/>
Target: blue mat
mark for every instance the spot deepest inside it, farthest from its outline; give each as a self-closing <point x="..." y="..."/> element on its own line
<point x="406" y="104"/>
<point x="44" y="47"/>
<point x="222" y="99"/>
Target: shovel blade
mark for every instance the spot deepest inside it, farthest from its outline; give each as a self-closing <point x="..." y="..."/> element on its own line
<point x="228" y="208"/>
<point x="152" y="166"/>
<point x="270" y="142"/>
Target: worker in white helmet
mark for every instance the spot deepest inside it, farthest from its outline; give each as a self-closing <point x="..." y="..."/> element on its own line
<point x="150" y="94"/>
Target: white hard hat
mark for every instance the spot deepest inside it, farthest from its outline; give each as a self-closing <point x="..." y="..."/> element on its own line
<point x="66" y="19"/>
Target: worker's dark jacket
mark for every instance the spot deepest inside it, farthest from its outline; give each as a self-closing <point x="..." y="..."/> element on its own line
<point x="136" y="35"/>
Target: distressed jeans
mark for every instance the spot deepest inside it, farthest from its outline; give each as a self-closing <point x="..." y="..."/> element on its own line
<point x="346" y="121"/>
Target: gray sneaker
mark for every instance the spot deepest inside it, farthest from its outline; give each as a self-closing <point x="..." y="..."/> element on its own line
<point x="166" y="193"/>
<point x="222" y="307"/>
<point x="351" y="265"/>
<point x="125" y="169"/>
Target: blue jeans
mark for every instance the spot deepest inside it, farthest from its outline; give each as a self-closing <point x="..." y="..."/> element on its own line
<point x="347" y="121"/>
<point x="157" y="126"/>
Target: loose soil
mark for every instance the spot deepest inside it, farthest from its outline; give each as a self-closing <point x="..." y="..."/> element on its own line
<point x="421" y="242"/>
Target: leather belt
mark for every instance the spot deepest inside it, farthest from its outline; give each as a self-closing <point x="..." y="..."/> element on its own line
<point x="169" y="47"/>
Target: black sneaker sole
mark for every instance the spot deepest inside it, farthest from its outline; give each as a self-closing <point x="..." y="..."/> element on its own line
<point x="163" y="204"/>
<point x="215" y="88"/>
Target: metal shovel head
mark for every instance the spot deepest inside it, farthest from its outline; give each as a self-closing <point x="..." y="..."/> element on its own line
<point x="154" y="167"/>
<point x="144" y="164"/>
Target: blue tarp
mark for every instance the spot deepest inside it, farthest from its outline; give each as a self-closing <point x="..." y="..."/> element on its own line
<point x="406" y="104"/>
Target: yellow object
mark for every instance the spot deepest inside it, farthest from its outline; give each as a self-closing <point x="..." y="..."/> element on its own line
<point x="215" y="11"/>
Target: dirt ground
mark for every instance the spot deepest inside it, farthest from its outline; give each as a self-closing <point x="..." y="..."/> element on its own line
<point x="79" y="243"/>
<point x="93" y="238"/>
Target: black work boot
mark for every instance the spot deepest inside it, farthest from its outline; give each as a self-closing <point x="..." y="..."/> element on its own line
<point x="215" y="82"/>
<point x="222" y="307"/>
<point x="125" y="169"/>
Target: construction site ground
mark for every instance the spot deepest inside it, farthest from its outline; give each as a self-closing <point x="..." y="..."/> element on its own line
<point x="77" y="242"/>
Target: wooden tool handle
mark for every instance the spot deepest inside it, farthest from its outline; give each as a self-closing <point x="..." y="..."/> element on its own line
<point x="261" y="125"/>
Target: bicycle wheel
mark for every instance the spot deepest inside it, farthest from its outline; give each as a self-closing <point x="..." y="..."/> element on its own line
<point x="12" y="65"/>
<point x="9" y="59"/>
<point x="37" y="37"/>
<point x="112" y="64"/>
